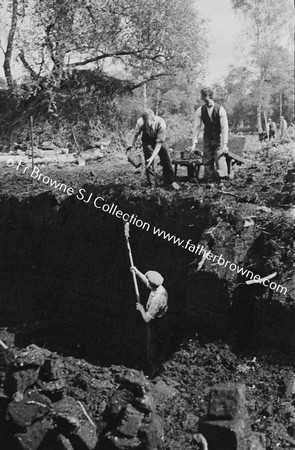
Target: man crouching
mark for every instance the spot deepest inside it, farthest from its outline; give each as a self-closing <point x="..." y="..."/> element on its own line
<point x="153" y="135"/>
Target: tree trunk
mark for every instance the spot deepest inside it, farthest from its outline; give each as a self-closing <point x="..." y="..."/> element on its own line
<point x="27" y="66"/>
<point x="9" y="49"/>
<point x="58" y="68"/>
<point x="265" y="122"/>
<point x="259" y="123"/>
<point x="259" y="106"/>
<point x="158" y="97"/>
<point x="144" y="96"/>
<point x="281" y="104"/>
<point x="293" y="102"/>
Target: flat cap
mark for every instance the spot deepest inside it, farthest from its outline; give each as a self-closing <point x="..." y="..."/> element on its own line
<point x="154" y="277"/>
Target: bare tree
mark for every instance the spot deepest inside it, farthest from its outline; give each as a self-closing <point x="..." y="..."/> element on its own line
<point x="10" y="41"/>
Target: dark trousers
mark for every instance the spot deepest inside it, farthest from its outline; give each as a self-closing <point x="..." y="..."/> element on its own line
<point x="168" y="174"/>
<point x="272" y="134"/>
<point x="157" y="344"/>
<point x="214" y="160"/>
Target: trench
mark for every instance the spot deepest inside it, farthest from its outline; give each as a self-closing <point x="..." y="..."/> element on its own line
<point x="259" y="320"/>
<point x="66" y="284"/>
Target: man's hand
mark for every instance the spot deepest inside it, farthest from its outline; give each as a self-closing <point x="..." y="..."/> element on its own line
<point x="225" y="149"/>
<point x="193" y="148"/>
<point x="133" y="269"/>
<point x="139" y="307"/>
<point x="149" y="161"/>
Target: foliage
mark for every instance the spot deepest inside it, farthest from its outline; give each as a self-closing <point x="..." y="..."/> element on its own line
<point x="240" y="100"/>
<point x="145" y="39"/>
<point x="178" y="127"/>
<point x="172" y="98"/>
<point x="70" y="48"/>
<point x="269" y="22"/>
<point x="81" y="102"/>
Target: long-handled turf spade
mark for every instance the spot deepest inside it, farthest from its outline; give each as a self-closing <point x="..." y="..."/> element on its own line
<point x="4" y="346"/>
<point x="126" y="231"/>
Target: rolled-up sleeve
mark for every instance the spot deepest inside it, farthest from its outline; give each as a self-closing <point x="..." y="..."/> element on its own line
<point x="138" y="127"/>
<point x="223" y="125"/>
<point x="161" y="131"/>
<point x="137" y="131"/>
<point x="158" y="306"/>
<point x="153" y="310"/>
<point x="197" y="125"/>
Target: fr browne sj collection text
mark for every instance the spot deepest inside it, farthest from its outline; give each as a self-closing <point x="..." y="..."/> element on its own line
<point x="99" y="203"/>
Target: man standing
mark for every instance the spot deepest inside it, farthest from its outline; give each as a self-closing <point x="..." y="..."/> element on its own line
<point x="155" y="318"/>
<point x="271" y="129"/>
<point x="214" y="118"/>
<point x="153" y="134"/>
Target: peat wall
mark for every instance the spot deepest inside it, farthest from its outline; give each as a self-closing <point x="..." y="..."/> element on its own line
<point x="64" y="272"/>
<point x="66" y="266"/>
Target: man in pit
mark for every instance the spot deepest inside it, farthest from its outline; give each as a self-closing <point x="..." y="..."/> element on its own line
<point x="155" y="317"/>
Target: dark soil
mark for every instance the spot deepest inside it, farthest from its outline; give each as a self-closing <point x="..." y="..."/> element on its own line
<point x="181" y="391"/>
<point x="60" y="255"/>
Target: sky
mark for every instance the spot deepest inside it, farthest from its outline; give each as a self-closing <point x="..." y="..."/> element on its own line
<point x="224" y="29"/>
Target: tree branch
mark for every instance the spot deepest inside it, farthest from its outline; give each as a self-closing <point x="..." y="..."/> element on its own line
<point x="151" y="78"/>
<point x="108" y="55"/>
<point x="27" y="66"/>
<point x="49" y="41"/>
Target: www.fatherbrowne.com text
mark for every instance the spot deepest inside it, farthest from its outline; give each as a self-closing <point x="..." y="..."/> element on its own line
<point x="99" y="203"/>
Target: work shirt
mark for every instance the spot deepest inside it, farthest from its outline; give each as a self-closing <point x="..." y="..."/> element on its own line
<point x="157" y="304"/>
<point x="271" y="126"/>
<point x="156" y="131"/>
<point x="223" y="123"/>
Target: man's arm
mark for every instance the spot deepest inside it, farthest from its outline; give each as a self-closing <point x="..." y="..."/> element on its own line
<point x="158" y="303"/>
<point x="161" y="136"/>
<point x="137" y="131"/>
<point x="224" y="127"/>
<point x="145" y="315"/>
<point x="197" y="128"/>
<point x="140" y="275"/>
<point x="154" y="154"/>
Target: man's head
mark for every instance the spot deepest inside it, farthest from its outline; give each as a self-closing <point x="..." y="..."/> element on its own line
<point x="148" y="116"/>
<point x="269" y="119"/>
<point x="207" y="96"/>
<point x="154" y="278"/>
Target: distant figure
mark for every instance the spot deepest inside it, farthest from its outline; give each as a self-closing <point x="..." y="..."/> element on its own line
<point x="291" y="130"/>
<point x="155" y="318"/>
<point x="153" y="135"/>
<point x="214" y="118"/>
<point x="284" y="128"/>
<point x="262" y="136"/>
<point x="271" y="129"/>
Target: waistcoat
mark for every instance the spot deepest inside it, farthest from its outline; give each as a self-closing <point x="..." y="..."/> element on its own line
<point x="212" y="125"/>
